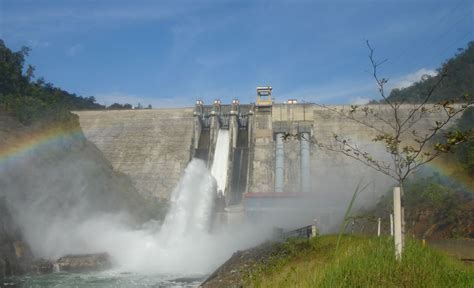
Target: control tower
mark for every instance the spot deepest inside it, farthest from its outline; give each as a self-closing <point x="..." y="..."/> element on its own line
<point x="264" y="96"/>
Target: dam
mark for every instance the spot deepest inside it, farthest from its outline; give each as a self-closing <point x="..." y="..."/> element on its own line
<point x="256" y="169"/>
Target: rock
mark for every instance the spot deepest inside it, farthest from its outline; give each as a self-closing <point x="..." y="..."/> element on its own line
<point x="42" y="266"/>
<point x="3" y="268"/>
<point x="84" y="262"/>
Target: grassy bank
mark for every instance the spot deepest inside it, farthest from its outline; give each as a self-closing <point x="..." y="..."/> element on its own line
<point x="360" y="262"/>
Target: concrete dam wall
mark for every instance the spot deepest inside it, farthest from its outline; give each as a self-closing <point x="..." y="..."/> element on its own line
<point x="151" y="146"/>
<point x="154" y="146"/>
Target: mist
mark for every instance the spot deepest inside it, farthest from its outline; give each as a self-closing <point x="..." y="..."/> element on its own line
<point x="61" y="210"/>
<point x="65" y="205"/>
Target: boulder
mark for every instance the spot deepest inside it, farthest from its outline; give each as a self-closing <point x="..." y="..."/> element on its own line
<point x="84" y="262"/>
<point x="42" y="266"/>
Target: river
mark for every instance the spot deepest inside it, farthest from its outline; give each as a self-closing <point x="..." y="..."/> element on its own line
<point x="105" y="279"/>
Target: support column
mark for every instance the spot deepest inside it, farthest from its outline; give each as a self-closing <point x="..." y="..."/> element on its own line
<point x="233" y="122"/>
<point x="214" y="129"/>
<point x="279" y="163"/>
<point x="197" y="122"/>
<point x="305" y="167"/>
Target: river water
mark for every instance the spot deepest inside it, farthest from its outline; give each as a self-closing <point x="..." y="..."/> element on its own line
<point x="178" y="253"/>
<point x="105" y="279"/>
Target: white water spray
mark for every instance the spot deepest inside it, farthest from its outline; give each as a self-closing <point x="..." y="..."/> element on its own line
<point x="221" y="159"/>
<point x="182" y="245"/>
<point x="192" y="203"/>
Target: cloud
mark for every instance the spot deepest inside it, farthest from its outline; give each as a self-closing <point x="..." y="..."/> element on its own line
<point x="38" y="44"/>
<point x="30" y="19"/>
<point x="74" y="50"/>
<point x="360" y="100"/>
<point x="410" y="78"/>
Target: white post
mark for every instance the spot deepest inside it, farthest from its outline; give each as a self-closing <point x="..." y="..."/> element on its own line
<point x="397" y="214"/>
<point x="391" y="224"/>
<point x="378" y="228"/>
<point x="314" y="228"/>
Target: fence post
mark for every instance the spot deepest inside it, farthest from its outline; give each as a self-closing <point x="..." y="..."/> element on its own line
<point x="378" y="227"/>
<point x="397" y="214"/>
<point x="391" y="224"/>
<point x="314" y="228"/>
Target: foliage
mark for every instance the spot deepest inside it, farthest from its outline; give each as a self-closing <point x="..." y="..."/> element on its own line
<point x="362" y="262"/>
<point x="434" y="205"/>
<point x="457" y="81"/>
<point x="281" y="255"/>
<point x="31" y="101"/>
<point x="43" y="106"/>
<point x="465" y="152"/>
<point x="396" y="129"/>
<point x="347" y="218"/>
<point x="117" y="106"/>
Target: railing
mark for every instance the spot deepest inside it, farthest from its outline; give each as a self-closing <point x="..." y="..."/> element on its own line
<point x="224" y="121"/>
<point x="303" y="232"/>
<point x="309" y="231"/>
<point x="206" y="121"/>
<point x="243" y="121"/>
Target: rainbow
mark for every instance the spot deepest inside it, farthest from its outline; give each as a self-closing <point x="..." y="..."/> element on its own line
<point x="27" y="143"/>
<point x="448" y="167"/>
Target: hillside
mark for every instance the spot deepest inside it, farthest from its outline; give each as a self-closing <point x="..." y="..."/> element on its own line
<point x="457" y="81"/>
<point x="359" y="262"/>
<point x="31" y="101"/>
<point x="51" y="178"/>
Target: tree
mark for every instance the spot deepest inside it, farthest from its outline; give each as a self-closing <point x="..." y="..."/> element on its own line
<point x="459" y="80"/>
<point x="394" y="126"/>
<point x="465" y="152"/>
<point x="31" y="101"/>
<point x="115" y="106"/>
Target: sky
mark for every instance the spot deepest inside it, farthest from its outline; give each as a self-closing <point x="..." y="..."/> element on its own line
<point x="170" y="53"/>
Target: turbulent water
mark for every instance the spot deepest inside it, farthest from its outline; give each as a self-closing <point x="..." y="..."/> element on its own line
<point x="106" y="279"/>
<point x="178" y="253"/>
<point x="221" y="159"/>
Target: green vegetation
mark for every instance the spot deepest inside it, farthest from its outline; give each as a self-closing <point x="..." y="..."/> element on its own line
<point x="465" y="152"/>
<point x="438" y="205"/>
<point x="117" y="106"/>
<point x="39" y="105"/>
<point x="457" y="83"/>
<point x="31" y="101"/>
<point x="347" y="218"/>
<point x="435" y="207"/>
<point x="361" y="262"/>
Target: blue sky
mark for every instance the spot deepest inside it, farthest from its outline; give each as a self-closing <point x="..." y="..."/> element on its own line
<point x="170" y="53"/>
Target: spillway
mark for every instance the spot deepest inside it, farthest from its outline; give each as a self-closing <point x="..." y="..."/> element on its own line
<point x="192" y="202"/>
<point x="221" y="160"/>
<point x="239" y="168"/>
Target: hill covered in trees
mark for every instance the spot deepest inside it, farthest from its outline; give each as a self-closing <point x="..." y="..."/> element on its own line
<point x="29" y="100"/>
<point x="456" y="83"/>
<point x="439" y="198"/>
<point x="50" y="175"/>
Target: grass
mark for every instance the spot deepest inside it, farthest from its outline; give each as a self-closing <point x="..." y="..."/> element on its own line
<point x="360" y="262"/>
